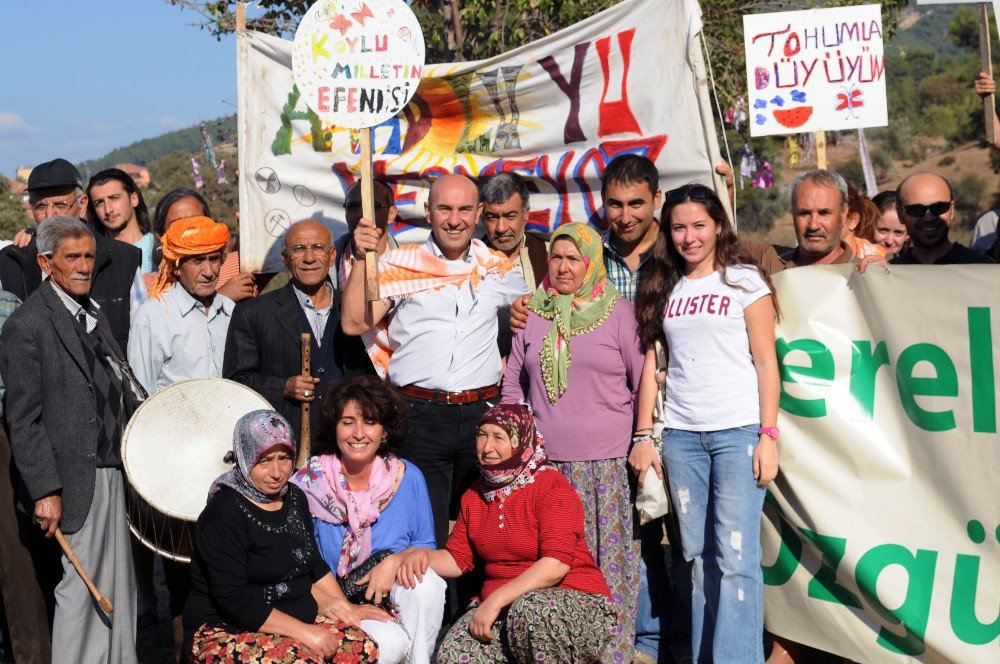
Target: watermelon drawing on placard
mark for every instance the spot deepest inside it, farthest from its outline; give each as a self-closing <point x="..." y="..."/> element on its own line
<point x="793" y="117"/>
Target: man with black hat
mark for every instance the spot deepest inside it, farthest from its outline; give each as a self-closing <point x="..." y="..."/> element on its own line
<point x="55" y="188"/>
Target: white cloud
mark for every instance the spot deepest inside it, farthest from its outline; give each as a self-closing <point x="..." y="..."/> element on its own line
<point x="12" y="122"/>
<point x="170" y="122"/>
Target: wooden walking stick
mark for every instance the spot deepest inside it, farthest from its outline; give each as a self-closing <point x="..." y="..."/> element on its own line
<point x="305" y="449"/>
<point x="989" y="101"/>
<point x="103" y="601"/>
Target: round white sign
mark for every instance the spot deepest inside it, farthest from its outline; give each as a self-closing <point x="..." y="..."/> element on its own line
<point x="358" y="62"/>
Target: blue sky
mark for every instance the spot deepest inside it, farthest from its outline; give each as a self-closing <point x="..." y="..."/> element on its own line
<point x="84" y="77"/>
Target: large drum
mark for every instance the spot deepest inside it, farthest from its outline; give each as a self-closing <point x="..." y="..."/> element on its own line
<point x="172" y="452"/>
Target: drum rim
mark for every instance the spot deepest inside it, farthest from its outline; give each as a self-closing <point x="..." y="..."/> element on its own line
<point x="128" y="428"/>
<point x="155" y="549"/>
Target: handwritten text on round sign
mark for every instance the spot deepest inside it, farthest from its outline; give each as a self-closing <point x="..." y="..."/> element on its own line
<point x="358" y="62"/>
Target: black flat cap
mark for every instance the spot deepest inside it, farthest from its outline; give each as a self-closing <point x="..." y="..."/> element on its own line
<point x="55" y="173"/>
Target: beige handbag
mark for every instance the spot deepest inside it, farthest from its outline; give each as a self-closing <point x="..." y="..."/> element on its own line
<point x="651" y="500"/>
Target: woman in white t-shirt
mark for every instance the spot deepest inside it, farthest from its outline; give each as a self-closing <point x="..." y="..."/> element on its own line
<point x="714" y="309"/>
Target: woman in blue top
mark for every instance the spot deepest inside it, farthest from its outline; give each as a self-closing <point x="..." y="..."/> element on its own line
<point x="366" y="501"/>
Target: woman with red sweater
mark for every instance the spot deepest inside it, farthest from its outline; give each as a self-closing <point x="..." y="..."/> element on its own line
<point x="543" y="593"/>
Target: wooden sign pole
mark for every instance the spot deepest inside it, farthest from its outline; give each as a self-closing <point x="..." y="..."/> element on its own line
<point x="305" y="445"/>
<point x="359" y="103"/>
<point x="821" y="149"/>
<point x="368" y="212"/>
<point x="241" y="18"/>
<point x="989" y="102"/>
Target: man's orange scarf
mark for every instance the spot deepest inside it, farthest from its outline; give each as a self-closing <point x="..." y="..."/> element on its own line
<point x="412" y="269"/>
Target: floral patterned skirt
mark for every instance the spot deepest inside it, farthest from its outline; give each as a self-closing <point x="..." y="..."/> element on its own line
<point x="212" y="644"/>
<point x="546" y="625"/>
<point x="604" y="489"/>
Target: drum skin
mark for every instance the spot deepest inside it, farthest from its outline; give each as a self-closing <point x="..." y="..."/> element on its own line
<point x="172" y="451"/>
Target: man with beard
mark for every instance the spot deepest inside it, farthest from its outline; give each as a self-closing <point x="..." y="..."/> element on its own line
<point x="116" y="209"/>
<point x="926" y="206"/>
<point x="505" y="216"/>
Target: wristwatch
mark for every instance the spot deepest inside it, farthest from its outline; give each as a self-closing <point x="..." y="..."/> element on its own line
<point x="770" y="432"/>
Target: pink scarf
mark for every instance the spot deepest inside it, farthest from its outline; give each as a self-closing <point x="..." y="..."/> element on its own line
<point x="331" y="500"/>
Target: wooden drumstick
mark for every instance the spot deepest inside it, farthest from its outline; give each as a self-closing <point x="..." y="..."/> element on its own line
<point x="103" y="601"/>
<point x="368" y="212"/>
<point x="305" y="449"/>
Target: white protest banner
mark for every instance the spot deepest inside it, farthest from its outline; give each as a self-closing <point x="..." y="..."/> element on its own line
<point x="881" y="534"/>
<point x="815" y="70"/>
<point x="628" y="80"/>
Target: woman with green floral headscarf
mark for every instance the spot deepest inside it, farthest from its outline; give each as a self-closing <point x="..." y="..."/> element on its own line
<point x="578" y="363"/>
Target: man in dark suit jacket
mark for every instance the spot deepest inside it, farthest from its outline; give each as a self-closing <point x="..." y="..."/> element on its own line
<point x="505" y="216"/>
<point x="55" y="188"/>
<point x="264" y="347"/>
<point x="68" y="399"/>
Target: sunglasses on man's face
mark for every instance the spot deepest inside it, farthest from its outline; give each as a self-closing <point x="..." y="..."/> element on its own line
<point x="918" y="210"/>
<point x="694" y="192"/>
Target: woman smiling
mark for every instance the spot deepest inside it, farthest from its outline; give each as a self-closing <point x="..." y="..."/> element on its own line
<point x="368" y="507"/>
<point x="578" y="363"/>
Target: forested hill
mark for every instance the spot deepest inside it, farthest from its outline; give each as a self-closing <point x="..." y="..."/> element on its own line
<point x="150" y="149"/>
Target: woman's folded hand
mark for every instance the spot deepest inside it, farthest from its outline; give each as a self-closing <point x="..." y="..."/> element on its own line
<point x="322" y="641"/>
<point x="352" y="614"/>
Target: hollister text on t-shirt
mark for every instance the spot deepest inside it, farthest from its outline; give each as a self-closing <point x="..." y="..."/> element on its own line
<point x="711" y="379"/>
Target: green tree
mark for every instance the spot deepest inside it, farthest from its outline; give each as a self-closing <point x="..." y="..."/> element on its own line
<point x="963" y="30"/>
<point x="475" y="29"/>
<point x="12" y="216"/>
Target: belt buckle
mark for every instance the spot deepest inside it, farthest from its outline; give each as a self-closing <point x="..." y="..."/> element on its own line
<point x="447" y="398"/>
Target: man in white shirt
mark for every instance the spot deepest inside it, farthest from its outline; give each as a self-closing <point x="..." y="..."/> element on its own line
<point x="180" y="333"/>
<point x="441" y="303"/>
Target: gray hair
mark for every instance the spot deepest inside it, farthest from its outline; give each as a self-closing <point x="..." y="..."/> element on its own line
<point x="500" y="187"/>
<point x="821" y="177"/>
<point x="55" y="230"/>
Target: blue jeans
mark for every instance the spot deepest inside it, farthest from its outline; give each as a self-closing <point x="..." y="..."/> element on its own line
<point x="654" y="591"/>
<point x="718" y="505"/>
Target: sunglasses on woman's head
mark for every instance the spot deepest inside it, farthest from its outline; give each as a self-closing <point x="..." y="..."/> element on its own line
<point x="918" y="210"/>
<point x="695" y="192"/>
